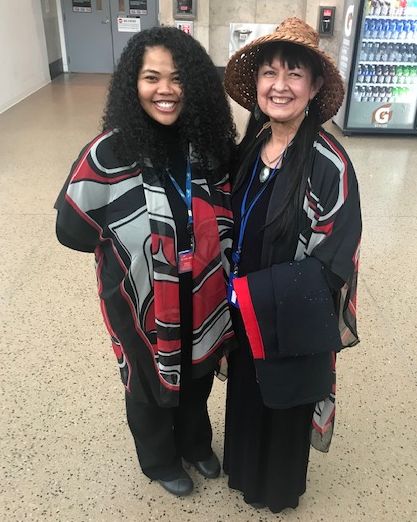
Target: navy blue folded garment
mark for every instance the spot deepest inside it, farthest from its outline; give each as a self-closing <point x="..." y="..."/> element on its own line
<point x="288" y="310"/>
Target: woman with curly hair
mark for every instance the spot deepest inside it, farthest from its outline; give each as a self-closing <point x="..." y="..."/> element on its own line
<point x="150" y="197"/>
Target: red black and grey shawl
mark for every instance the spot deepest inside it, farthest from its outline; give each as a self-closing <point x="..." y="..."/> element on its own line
<point x="122" y="214"/>
<point x="330" y="231"/>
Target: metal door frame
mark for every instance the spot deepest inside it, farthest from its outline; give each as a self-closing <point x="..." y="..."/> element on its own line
<point x="63" y="38"/>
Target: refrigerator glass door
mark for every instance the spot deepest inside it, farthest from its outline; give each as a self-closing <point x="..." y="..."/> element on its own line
<point x="384" y="88"/>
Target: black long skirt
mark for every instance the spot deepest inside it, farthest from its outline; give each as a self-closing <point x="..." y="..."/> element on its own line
<point x="266" y="451"/>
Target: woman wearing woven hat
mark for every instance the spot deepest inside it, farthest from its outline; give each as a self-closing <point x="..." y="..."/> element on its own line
<point x="295" y="258"/>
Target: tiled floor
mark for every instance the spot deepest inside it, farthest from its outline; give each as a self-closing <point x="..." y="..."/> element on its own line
<point x="66" y="452"/>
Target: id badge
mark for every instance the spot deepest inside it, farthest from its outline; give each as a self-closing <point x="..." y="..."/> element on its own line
<point x="231" y="294"/>
<point x="185" y="261"/>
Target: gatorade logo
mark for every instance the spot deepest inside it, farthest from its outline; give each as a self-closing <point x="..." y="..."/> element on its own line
<point x="382" y="115"/>
<point x="349" y="20"/>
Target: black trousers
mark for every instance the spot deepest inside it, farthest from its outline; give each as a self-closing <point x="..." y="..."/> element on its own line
<point x="165" y="435"/>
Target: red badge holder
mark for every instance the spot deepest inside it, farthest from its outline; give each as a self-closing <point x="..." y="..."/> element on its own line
<point x="185" y="261"/>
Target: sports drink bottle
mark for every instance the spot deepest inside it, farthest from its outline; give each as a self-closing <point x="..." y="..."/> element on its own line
<point x="400" y="74"/>
<point x="363" y="54"/>
<point x="360" y="74"/>
<point x="384" y="52"/>
<point x="367" y="29"/>
<point x="377" y="52"/>
<point x="380" y="74"/>
<point x="400" y="28"/>
<point x="394" y="29"/>
<point x="386" y="29"/>
<point x="371" y="52"/>
<point x="391" y="53"/>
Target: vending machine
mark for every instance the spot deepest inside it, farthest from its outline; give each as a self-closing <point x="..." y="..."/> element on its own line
<point x="378" y="63"/>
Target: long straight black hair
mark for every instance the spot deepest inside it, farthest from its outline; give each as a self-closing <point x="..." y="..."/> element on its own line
<point x="299" y="159"/>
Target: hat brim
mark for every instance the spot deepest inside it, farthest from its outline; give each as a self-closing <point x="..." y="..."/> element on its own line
<point x="240" y="81"/>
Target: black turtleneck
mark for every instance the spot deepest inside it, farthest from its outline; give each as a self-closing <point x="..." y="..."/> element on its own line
<point x="177" y="165"/>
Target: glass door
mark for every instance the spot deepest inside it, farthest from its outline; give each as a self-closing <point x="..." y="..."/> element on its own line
<point x="384" y="89"/>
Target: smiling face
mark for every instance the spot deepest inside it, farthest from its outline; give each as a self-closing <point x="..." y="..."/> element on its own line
<point x="283" y="93"/>
<point x="159" y="88"/>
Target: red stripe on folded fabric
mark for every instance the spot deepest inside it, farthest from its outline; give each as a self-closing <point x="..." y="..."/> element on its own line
<point x="250" y="321"/>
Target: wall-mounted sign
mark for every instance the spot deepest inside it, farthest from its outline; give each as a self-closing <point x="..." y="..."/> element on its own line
<point x="326" y="20"/>
<point x="185" y="9"/>
<point x="128" y="25"/>
<point x="241" y="34"/>
<point x="80" y="6"/>
<point x="186" y="26"/>
<point x="138" y="7"/>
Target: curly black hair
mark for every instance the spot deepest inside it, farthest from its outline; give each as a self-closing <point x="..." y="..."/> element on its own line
<point x="205" y="120"/>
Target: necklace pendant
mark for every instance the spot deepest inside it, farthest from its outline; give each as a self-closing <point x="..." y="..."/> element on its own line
<point x="264" y="174"/>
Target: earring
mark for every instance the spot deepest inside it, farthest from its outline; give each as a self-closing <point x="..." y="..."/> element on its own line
<point x="257" y="112"/>
<point x="306" y="110"/>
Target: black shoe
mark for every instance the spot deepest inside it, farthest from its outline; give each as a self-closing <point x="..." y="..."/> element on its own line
<point x="180" y="486"/>
<point x="209" y="468"/>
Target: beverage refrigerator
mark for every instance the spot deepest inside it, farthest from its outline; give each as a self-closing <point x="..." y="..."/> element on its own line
<point x="378" y="63"/>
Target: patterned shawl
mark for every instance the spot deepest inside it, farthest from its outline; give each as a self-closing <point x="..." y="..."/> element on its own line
<point x="330" y="231"/>
<point x="333" y="236"/>
<point x="121" y="212"/>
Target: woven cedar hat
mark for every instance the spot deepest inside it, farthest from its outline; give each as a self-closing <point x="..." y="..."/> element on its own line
<point x="240" y="71"/>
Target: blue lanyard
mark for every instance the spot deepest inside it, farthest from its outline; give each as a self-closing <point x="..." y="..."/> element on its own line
<point x="246" y="212"/>
<point x="187" y="197"/>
